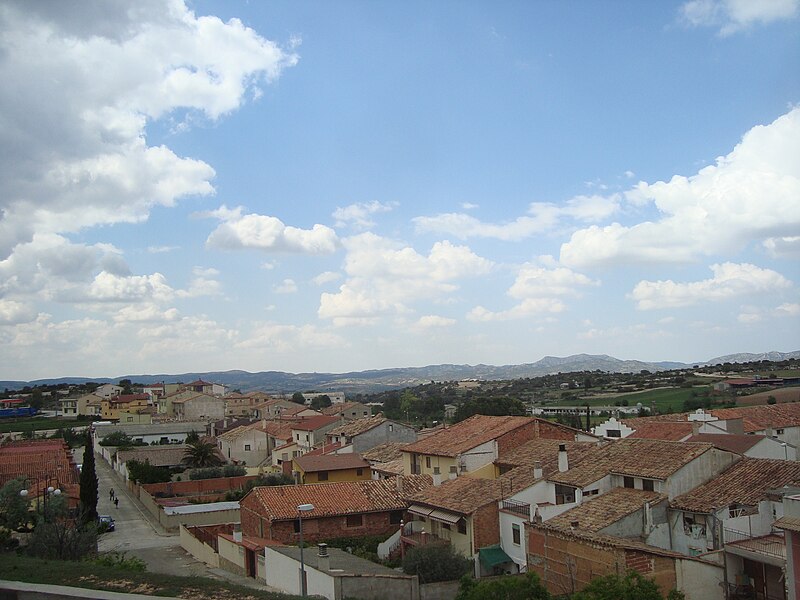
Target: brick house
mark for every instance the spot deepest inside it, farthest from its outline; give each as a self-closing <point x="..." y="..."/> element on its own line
<point x="345" y="509"/>
<point x="319" y="468"/>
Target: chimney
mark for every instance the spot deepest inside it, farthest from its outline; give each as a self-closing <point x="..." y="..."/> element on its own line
<point x="225" y="423"/>
<point x="237" y="535"/>
<point x="437" y="479"/>
<point x="399" y="482"/>
<point x="323" y="558"/>
<point x="695" y="427"/>
<point x="537" y="470"/>
<point x="735" y="426"/>
<point x="563" y="463"/>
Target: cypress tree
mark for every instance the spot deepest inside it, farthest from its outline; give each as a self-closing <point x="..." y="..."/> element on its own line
<point x="88" y="483"/>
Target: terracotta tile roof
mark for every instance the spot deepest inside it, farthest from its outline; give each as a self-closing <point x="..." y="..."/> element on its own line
<point x="390" y="468"/>
<point x="128" y="398"/>
<point x="331" y="462"/>
<point x="335" y="409"/>
<point x="675" y="431"/>
<point x="357" y="426"/>
<point x="387" y="452"/>
<point x="758" y="418"/>
<point x="746" y="482"/>
<point x="544" y="451"/>
<point x="158" y="456"/>
<point x="730" y="442"/>
<point x="194" y="396"/>
<point x="36" y="459"/>
<point x="324" y="449"/>
<point x="280" y="502"/>
<point x="314" y="423"/>
<point x="600" y="512"/>
<point x="655" y="459"/>
<point x="477" y="430"/>
<point x="790" y="523"/>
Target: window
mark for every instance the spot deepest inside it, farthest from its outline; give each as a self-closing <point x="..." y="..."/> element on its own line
<point x="322" y="476"/>
<point x="355" y="520"/>
<point x="446" y="526"/>
<point x="453" y="469"/>
<point x="247" y="447"/>
<point x="462" y="526"/>
<point x="564" y="494"/>
<point x="648" y="485"/>
<point x="615" y="433"/>
<point x="391" y="427"/>
<point x="591" y="492"/>
<point x="297" y="525"/>
<point x="284" y="456"/>
<point x="694" y="525"/>
<point x="428" y="462"/>
<point x="435" y="470"/>
<point x="130" y="419"/>
<point x="395" y="517"/>
<point x="779" y="431"/>
<point x="515" y="534"/>
<point x="359" y="472"/>
<point x="627" y="482"/>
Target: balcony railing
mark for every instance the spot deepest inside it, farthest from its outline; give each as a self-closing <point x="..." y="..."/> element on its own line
<point x="520" y="508"/>
<point x="772" y="545"/>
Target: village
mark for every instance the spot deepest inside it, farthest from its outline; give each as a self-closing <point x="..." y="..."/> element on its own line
<point x="315" y="494"/>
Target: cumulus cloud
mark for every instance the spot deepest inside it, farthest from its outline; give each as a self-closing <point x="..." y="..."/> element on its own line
<point x="262" y="232"/>
<point x="433" y="321"/>
<point x="326" y="277"/>
<point x="730" y="280"/>
<point x="751" y="194"/>
<point x="783" y="247"/>
<point x="359" y="215"/>
<point x="788" y="309"/>
<point x="732" y="16"/>
<point x="541" y="217"/>
<point x="290" y="338"/>
<point x="385" y="277"/>
<point x="114" y="66"/>
<point x="287" y="286"/>
<point x="13" y="313"/>
<point x="540" y="291"/>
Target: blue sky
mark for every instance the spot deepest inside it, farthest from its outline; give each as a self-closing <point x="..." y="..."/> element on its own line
<point x="320" y="186"/>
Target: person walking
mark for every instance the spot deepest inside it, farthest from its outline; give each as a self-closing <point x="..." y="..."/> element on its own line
<point x="111" y="494"/>
<point x="116" y="502"/>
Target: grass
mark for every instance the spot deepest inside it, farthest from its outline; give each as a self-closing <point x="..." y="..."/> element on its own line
<point x="666" y="399"/>
<point x="38" y="423"/>
<point x="18" y="567"/>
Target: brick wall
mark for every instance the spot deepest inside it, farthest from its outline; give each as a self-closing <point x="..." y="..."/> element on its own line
<point x="188" y="488"/>
<point x="486" y="526"/>
<point x="567" y="563"/>
<point x="517" y="437"/>
<point x="552" y="431"/>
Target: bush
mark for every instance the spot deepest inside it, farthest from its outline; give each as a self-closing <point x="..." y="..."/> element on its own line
<point x="144" y="472"/>
<point x="205" y="473"/>
<point x="233" y="471"/>
<point x="631" y="587"/>
<point x="434" y="563"/>
<point x="120" y="561"/>
<point x="508" y="587"/>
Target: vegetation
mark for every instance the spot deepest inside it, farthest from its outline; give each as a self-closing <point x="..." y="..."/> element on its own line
<point x="489" y="406"/>
<point x="509" y="587"/>
<point x="120" y="440"/>
<point x="632" y="586"/>
<point x="120" y="560"/>
<point x="263" y="480"/>
<point x="88" y="483"/>
<point x="91" y="575"/>
<point x="214" y="472"/>
<point x="320" y="402"/>
<point x="435" y="562"/>
<point x="144" y="472"/>
<point x="298" y="398"/>
<point x="202" y="454"/>
<point x="14" y="508"/>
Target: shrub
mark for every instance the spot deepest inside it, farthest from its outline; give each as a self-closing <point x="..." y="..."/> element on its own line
<point x="519" y="587"/>
<point x="205" y="473"/>
<point x="434" y="563"/>
<point x="119" y="560"/>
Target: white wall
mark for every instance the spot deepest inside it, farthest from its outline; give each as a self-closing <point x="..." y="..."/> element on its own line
<point x="697" y="472"/>
<point x="515" y="551"/>
<point x="699" y="580"/>
<point x="283" y="573"/>
<point x="479" y="456"/>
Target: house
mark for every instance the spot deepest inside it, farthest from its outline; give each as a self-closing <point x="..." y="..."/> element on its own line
<point x="335" y="397"/>
<point x="107" y="390"/>
<point x="477" y="441"/>
<point x="309" y="432"/>
<point x="789" y="523"/>
<point x="386" y="460"/>
<point x="244" y="405"/>
<point x="168" y="456"/>
<point x="172" y="432"/>
<point x="344" y="509"/>
<point x="205" y="387"/>
<point x="742" y="502"/>
<point x="320" y="468"/>
<point x="348" y="410"/>
<point x="274" y="408"/>
<point x="198" y="406"/>
<point x="367" y="432"/>
<point x="247" y="444"/>
<point x="138" y="415"/>
<point x="111" y="406"/>
<point x="335" y="574"/>
<point x="86" y="405"/>
<point x="754" y="446"/>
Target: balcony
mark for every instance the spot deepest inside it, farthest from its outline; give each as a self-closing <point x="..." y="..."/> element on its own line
<point x="414" y="534"/>
<point x="522" y="509"/>
<point x="770" y="549"/>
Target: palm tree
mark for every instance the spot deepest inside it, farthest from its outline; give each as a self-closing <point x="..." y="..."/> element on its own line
<point x="201" y="454"/>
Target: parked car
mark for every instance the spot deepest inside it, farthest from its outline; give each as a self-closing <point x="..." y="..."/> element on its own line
<point x="105" y="523"/>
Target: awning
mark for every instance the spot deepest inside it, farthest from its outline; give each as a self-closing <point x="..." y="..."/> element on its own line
<point x="491" y="556"/>
<point x="422" y="511"/>
<point x="443" y="515"/>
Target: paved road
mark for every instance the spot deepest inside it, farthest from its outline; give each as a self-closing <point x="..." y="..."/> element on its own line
<point x="137" y="534"/>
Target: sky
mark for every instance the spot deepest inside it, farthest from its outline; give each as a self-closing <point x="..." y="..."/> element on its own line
<point x="341" y="186"/>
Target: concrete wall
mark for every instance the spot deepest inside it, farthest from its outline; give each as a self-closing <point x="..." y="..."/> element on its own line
<point x="377" y="587"/>
<point x="702" y="469"/>
<point x="20" y="590"/>
<point x="231" y="556"/>
<point x="200" y="550"/>
<point x="283" y="573"/>
<point x="216" y="517"/>
<point x="381" y="435"/>
<point x="700" y="581"/>
<point x="444" y="590"/>
<point x="517" y="552"/>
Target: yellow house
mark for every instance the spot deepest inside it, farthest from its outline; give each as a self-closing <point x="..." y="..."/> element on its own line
<point x="331" y="467"/>
<point x="138" y="416"/>
<point x="111" y="407"/>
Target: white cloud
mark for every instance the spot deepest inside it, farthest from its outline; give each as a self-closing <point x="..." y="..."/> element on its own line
<point x="83" y="161"/>
<point x="358" y="215"/>
<point x="290" y="338"/>
<point x="287" y="286"/>
<point x="752" y="194"/>
<point x="732" y="16"/>
<point x="540" y="291"/>
<point x="161" y="249"/>
<point x="543" y="217"/>
<point x="203" y="283"/>
<point x="326" y="277"/>
<point x="730" y="281"/>
<point x="147" y="312"/>
<point x="783" y="247"/>
<point x="107" y="287"/>
<point x="13" y="313"/>
<point x="433" y="321"/>
<point x="788" y="309"/>
<point x="261" y="232"/>
<point x="385" y="277"/>
<point x="469" y="206"/>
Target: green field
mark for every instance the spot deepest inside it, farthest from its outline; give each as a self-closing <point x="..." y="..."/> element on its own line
<point x="16" y="567"/>
<point x="37" y="424"/>
<point x="666" y="399"/>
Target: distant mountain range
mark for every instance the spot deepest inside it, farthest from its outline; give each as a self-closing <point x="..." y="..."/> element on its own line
<point x="384" y="379"/>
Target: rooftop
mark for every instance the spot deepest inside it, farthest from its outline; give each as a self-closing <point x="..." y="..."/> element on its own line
<point x="601" y="511"/>
<point x="339" y="498"/>
<point x="730" y="442"/>
<point x="176" y="427"/>
<point x="744" y="483"/>
<point x="357" y="426"/>
<point x="336" y="409"/>
<point x="341" y="562"/>
<point x="37" y="459"/>
<point x="390" y="451"/>
<point x="675" y="431"/>
<point x="314" y="423"/>
<point x="331" y="462"/>
<point x="544" y="451"/>
<point x="463" y="436"/>
<point x="157" y="456"/>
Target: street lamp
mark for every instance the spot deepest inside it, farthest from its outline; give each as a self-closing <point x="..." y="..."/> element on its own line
<point x="300" y="510"/>
<point x="50" y="490"/>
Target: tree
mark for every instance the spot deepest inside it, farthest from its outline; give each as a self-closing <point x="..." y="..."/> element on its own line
<point x="520" y="587"/>
<point x="298" y="398"/>
<point x="121" y="440"/>
<point x="319" y="402"/>
<point x="192" y="437"/>
<point x="201" y="454"/>
<point x="631" y="587"/>
<point x="144" y="472"/>
<point x="126" y="384"/>
<point x="14" y="508"/>
<point x="436" y="563"/>
<point x="88" y="483"/>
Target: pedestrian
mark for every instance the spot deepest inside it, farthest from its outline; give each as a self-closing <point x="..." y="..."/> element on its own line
<point x="111" y="494"/>
<point x="116" y="502"/>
